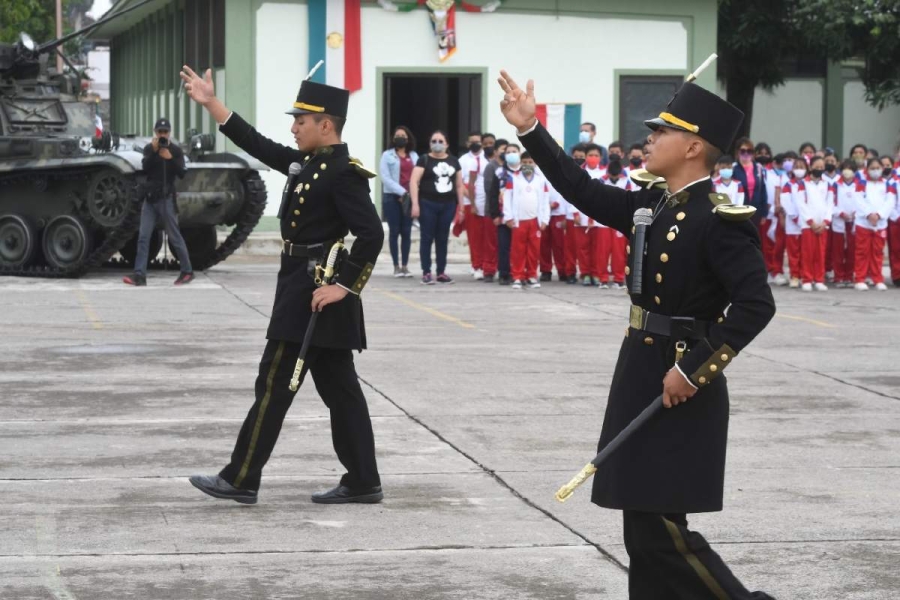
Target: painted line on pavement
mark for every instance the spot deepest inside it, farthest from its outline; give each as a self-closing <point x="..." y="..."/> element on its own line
<point x="431" y="311"/>
<point x="89" y="310"/>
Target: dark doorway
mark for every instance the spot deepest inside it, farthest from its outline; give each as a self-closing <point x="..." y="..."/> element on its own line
<point x="428" y="101"/>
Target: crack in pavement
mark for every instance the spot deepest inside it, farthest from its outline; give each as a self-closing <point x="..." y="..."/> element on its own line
<point x="493" y="474"/>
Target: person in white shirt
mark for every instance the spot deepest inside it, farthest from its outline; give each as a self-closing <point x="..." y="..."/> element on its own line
<point x="724" y="182"/>
<point x="890" y="174"/>
<point x="771" y="228"/>
<point x="815" y="221"/>
<point x="792" y="229"/>
<point x="843" y="238"/>
<point x="876" y="200"/>
<point x="526" y="210"/>
<point x="636" y="157"/>
<point x="573" y="238"/>
<point x="553" y="242"/>
<point x="595" y="242"/>
<point x="616" y="175"/>
<point x="473" y="164"/>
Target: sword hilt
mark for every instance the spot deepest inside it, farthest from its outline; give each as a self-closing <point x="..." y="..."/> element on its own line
<point x="566" y="491"/>
<point x="295" y="379"/>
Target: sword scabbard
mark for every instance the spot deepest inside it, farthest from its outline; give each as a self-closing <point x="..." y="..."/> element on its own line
<point x="566" y="491"/>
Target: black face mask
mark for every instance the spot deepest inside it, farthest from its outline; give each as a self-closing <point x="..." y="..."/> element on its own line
<point x="636" y="161"/>
<point x="816" y="173"/>
<point x="764" y="159"/>
<point x="614" y="169"/>
<point x="489" y="151"/>
<point x="886" y="172"/>
<point x="400" y="142"/>
<point x="831" y="168"/>
<point x="578" y="161"/>
<point x="474" y="147"/>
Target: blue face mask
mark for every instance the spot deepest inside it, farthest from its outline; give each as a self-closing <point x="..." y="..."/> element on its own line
<point x="726" y="173"/>
<point x="584" y="137"/>
<point x="512" y="159"/>
<point x="779" y="171"/>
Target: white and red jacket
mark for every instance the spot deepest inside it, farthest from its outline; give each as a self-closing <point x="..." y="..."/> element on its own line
<point x="524" y="199"/>
<point x="558" y="205"/>
<point x="789" y="192"/>
<point x="581" y="219"/>
<point x="623" y="182"/>
<point x="813" y="203"/>
<point x="734" y="189"/>
<point x="474" y="165"/>
<point x="843" y="198"/>
<point x="879" y="197"/>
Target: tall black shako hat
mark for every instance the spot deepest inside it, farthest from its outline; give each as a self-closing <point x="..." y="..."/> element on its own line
<point x="700" y="111"/>
<point x="318" y="98"/>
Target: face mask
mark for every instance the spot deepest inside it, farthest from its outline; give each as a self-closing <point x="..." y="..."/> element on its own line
<point x="438" y="148"/>
<point x="615" y="168"/>
<point x="860" y="162"/>
<point x="830" y="168"/>
<point x="763" y="159"/>
<point x="584" y="137"/>
<point x="787" y="165"/>
<point x="779" y="171"/>
<point x="874" y="173"/>
<point x="848" y="174"/>
<point x="593" y="162"/>
<point x="528" y="170"/>
<point x="726" y="173"/>
<point x="886" y="172"/>
<point x="808" y="156"/>
<point x="636" y="161"/>
<point x="578" y="161"/>
<point x="799" y="173"/>
<point x="400" y="142"/>
<point x="488" y="151"/>
<point x="474" y="147"/>
<point x="817" y="173"/>
<point x="512" y="159"/>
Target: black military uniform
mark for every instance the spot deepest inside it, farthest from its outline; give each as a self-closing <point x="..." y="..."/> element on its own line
<point x="328" y="197"/>
<point x="701" y="257"/>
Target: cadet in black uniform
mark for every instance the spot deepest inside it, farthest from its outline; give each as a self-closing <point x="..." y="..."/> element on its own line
<point x="701" y="256"/>
<point x="328" y="197"/>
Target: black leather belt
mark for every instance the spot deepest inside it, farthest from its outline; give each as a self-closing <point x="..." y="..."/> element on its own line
<point x="313" y="251"/>
<point x="679" y="328"/>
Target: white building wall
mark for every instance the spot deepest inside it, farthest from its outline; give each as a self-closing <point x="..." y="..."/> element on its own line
<point x="790" y="115"/>
<point x="865" y="124"/>
<point x="563" y="72"/>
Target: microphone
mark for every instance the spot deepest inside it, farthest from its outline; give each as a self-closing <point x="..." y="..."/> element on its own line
<point x="293" y="171"/>
<point x="643" y="217"/>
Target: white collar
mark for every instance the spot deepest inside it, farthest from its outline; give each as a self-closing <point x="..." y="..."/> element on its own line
<point x="690" y="184"/>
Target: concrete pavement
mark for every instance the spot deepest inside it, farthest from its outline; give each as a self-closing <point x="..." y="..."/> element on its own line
<point x="484" y="401"/>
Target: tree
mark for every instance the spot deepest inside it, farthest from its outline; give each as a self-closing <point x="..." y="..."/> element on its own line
<point x="37" y="18"/>
<point x="753" y="40"/>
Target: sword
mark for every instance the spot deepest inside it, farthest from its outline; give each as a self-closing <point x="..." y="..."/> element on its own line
<point x="566" y="491"/>
<point x="323" y="277"/>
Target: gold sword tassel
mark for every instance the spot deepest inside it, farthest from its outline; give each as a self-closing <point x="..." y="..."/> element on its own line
<point x="566" y="491"/>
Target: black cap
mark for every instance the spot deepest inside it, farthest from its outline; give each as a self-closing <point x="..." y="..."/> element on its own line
<point x="318" y="98"/>
<point x="162" y="123"/>
<point x="700" y="111"/>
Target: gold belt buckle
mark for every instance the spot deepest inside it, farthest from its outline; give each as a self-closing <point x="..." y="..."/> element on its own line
<point x="636" y="318"/>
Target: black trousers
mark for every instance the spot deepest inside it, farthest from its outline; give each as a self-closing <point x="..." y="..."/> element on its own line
<point x="504" y="241"/>
<point x="669" y="562"/>
<point x="335" y="378"/>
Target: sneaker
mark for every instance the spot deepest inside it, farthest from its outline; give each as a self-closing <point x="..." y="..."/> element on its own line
<point x="869" y="281"/>
<point x="771" y="279"/>
<point x="821" y="287"/>
<point x="517" y="285"/>
<point x="807" y="287"/>
<point x="397" y="271"/>
<point x="427" y="279"/>
<point x="405" y="272"/>
<point x="617" y="285"/>
<point x="533" y="283"/>
<point x="604" y="286"/>
<point x="546" y="276"/>
<point x="881" y="287"/>
<point x="861" y="287"/>
<point x="184" y="279"/>
<point x="571" y="280"/>
<point x="478" y="274"/>
<point x="829" y="276"/>
<point x="566" y="279"/>
<point x="795" y="283"/>
<point x="136" y="280"/>
<point x="586" y="281"/>
<point x="504" y="280"/>
<point x="444" y="278"/>
<point x="896" y="283"/>
<point x="488" y="279"/>
<point x="780" y="279"/>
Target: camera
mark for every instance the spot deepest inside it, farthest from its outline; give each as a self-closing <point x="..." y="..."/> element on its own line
<point x="163" y="142"/>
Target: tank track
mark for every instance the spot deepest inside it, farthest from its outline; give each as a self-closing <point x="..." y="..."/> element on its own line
<point x="112" y="241"/>
<point x="246" y="221"/>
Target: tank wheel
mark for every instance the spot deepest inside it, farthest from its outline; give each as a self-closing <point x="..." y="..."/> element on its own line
<point x="17" y="241"/>
<point x="66" y="242"/>
<point x="201" y="244"/>
<point x="107" y="199"/>
<point x="129" y="250"/>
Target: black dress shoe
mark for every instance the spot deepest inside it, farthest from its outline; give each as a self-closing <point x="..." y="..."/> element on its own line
<point x="344" y="495"/>
<point x="217" y="487"/>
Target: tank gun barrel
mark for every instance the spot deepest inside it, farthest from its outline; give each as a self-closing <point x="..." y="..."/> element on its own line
<point x="52" y="44"/>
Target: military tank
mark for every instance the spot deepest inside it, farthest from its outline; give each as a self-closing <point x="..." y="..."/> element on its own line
<point x="70" y="200"/>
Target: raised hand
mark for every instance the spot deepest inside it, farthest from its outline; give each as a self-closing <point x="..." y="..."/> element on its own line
<point x="518" y="106"/>
<point x="200" y="89"/>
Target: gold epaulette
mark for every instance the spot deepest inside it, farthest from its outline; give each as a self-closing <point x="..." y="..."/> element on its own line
<point x="361" y="169"/>
<point x="728" y="211"/>
<point x="647" y="180"/>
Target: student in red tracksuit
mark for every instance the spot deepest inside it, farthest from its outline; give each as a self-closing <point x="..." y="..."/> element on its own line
<point x="843" y="238"/>
<point x="889" y="174"/>
<point x="579" y="155"/>
<point x="553" y="241"/>
<point x="473" y="165"/>
<point x="526" y="210"/>
<point x="876" y="199"/>
<point x="598" y="238"/>
<point x="815" y="208"/>
<point x="616" y="176"/>
<point x="792" y="229"/>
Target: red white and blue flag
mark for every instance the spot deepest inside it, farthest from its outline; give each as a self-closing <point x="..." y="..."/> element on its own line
<point x="334" y="37"/>
<point x="563" y="122"/>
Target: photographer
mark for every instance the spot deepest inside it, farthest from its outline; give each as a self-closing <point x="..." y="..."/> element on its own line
<point x="163" y="162"/>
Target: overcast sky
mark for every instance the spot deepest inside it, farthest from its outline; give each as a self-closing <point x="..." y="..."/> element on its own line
<point x="99" y="7"/>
